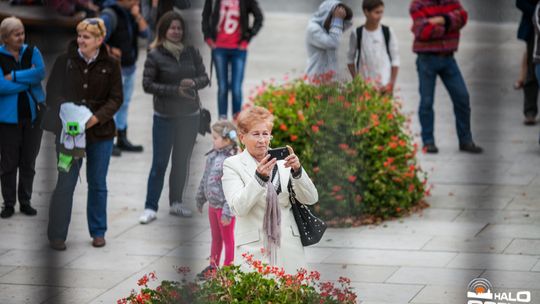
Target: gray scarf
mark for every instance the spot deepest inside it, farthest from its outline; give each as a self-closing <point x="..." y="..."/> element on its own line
<point x="175" y="48"/>
<point x="272" y="223"/>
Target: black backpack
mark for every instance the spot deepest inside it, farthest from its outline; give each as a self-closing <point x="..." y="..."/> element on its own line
<point x="386" y="34"/>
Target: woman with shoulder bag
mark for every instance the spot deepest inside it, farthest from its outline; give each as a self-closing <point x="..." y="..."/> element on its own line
<point x="21" y="98"/>
<point x="256" y="188"/>
<point x="173" y="73"/>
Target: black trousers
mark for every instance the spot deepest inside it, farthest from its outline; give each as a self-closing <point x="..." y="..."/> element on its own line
<point x="19" y="148"/>
<point x="530" y="86"/>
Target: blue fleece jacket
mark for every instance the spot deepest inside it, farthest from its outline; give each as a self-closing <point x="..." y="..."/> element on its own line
<point x="23" y="80"/>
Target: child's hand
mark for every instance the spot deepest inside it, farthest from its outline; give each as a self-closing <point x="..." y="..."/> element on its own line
<point x="225" y="221"/>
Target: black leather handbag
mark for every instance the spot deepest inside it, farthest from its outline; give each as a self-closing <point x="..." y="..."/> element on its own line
<point x="311" y="228"/>
<point x="204" y="122"/>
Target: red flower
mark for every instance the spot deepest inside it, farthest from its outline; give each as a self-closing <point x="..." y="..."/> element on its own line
<point x="292" y="100"/>
<point x="320" y="122"/>
<point x="343" y="146"/>
<point x="336" y="188"/>
<point x="390" y="116"/>
<point x="283" y="127"/>
<point x="339" y="198"/>
<point x="301" y="116"/>
<point x="143" y="281"/>
<point x="315" y="128"/>
<point x="294" y="137"/>
<point x="352" y="178"/>
<point x="393" y="145"/>
<point x="316" y="170"/>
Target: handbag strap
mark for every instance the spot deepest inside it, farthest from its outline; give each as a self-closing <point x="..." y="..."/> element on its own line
<point x="292" y="195"/>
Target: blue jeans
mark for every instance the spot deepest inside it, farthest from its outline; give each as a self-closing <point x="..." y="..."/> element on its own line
<point x="429" y="67"/>
<point x="236" y="59"/>
<point x="128" y="85"/>
<point x="176" y="135"/>
<point x="98" y="155"/>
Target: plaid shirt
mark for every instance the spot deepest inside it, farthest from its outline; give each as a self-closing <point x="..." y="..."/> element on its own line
<point x="436" y="38"/>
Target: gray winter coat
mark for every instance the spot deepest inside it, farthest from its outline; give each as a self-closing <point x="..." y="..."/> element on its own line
<point x="322" y="45"/>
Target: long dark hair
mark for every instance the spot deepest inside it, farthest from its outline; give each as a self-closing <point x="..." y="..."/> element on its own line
<point x="163" y="25"/>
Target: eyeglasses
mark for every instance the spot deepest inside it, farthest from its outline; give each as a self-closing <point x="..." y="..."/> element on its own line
<point x="264" y="136"/>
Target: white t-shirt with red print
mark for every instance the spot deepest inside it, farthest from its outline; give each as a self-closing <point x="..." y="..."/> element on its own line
<point x="229" y="32"/>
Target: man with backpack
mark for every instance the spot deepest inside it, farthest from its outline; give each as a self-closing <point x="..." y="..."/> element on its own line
<point x="124" y="23"/>
<point x="373" y="49"/>
<point x="436" y="28"/>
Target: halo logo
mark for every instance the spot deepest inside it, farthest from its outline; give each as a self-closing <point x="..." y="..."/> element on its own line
<point x="480" y="291"/>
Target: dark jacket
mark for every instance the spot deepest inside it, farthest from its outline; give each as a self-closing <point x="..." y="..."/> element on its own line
<point x="97" y="85"/>
<point x="210" y="19"/>
<point x="162" y="76"/>
<point x="122" y="32"/>
<point x="526" y="29"/>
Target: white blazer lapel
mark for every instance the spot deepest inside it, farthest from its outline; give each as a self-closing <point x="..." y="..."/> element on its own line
<point x="250" y="164"/>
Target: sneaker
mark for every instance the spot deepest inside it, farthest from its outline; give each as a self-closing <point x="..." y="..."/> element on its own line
<point x="471" y="148"/>
<point x="147" y="216"/>
<point x="7" y="212"/>
<point x="431" y="148"/>
<point x="203" y="275"/>
<point x="28" y="210"/>
<point x="180" y="210"/>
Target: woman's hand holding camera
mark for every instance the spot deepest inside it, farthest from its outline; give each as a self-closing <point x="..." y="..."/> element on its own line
<point x="266" y="166"/>
<point x="292" y="161"/>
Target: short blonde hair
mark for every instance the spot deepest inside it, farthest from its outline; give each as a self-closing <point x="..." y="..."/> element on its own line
<point x="8" y="25"/>
<point x="254" y="115"/>
<point x="95" y="26"/>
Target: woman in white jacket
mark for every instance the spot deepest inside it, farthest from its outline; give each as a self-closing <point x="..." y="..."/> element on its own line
<point x="255" y="187"/>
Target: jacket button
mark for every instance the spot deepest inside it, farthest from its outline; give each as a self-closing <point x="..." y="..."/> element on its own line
<point x="85" y="71"/>
<point x="85" y="86"/>
<point x="83" y="101"/>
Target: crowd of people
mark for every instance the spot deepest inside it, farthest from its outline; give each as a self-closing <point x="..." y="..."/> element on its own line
<point x="91" y="84"/>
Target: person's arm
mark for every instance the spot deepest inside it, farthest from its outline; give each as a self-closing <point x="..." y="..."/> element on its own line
<point x="318" y="36"/>
<point x="200" y="198"/>
<point x="202" y="79"/>
<point x="9" y="87"/>
<point x="305" y="190"/>
<point x="241" y="197"/>
<point x="394" y="54"/>
<point x="456" y="19"/>
<point x="150" y="86"/>
<point x="206" y="21"/>
<point x="257" y="19"/>
<point x="142" y="26"/>
<point x="425" y="28"/>
<point x="536" y="18"/>
<point x="33" y="75"/>
<point x="110" y="20"/>
<point x="149" y="12"/>
<point x="352" y="53"/>
<point x="114" y="100"/>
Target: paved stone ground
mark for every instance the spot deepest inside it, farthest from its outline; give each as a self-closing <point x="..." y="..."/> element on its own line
<point x="484" y="220"/>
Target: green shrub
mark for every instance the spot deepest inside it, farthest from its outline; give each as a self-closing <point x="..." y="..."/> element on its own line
<point x="353" y="142"/>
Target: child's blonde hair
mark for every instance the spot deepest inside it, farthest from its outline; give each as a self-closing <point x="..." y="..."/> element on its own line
<point x="227" y="130"/>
